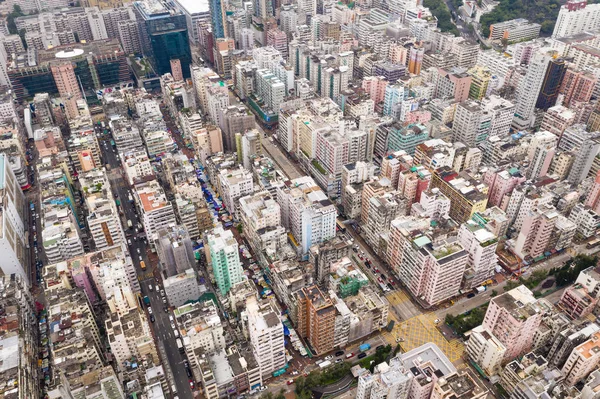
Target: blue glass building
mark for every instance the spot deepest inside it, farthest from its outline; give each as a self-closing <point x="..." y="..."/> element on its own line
<point x="163" y="30"/>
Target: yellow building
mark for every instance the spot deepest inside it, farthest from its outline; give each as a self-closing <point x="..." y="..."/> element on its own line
<point x="480" y="79"/>
<point x="467" y="195"/>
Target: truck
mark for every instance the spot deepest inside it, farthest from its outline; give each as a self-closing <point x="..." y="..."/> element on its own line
<point x="480" y="289"/>
<point x="324" y="364"/>
<point x="180" y="345"/>
<point x="390" y="325"/>
<point x="146" y="301"/>
<point x="364" y="347"/>
<point x="129" y="224"/>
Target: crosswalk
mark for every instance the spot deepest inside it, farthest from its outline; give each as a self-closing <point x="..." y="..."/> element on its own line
<point x="419" y="330"/>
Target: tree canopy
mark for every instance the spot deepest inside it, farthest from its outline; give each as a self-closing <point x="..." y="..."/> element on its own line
<point x="439" y="9"/>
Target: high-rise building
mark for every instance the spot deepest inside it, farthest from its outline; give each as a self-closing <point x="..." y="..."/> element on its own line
<point x="430" y="266"/>
<point x="467" y="195"/>
<point x="265" y="331"/>
<point x="529" y="90"/>
<point x="225" y="259"/>
<point x="552" y="83"/>
<point x="217" y="18"/>
<point x="156" y="211"/>
<point x="513" y="318"/>
<point x="315" y="318"/>
<point x="103" y="217"/>
<point x="575" y="17"/>
<point x="584" y="160"/>
<point x="174" y="248"/>
<point x="164" y="33"/>
<point x="541" y="151"/>
<point x="583" y="360"/>
<point x="15" y="257"/>
<point x="577" y="86"/>
<point x="481" y="245"/>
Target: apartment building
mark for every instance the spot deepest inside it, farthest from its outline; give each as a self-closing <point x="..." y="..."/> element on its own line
<point x="513" y="318"/>
<point x="481" y="245"/>
<point x="261" y="217"/>
<point x="430" y="266"/>
<point x="224" y="258"/>
<point x="265" y="331"/>
<point x="586" y="220"/>
<point x="316" y="318"/>
<point x="19" y="342"/>
<point x="584" y="359"/>
<point x="515" y="30"/>
<point x="156" y="211"/>
<point x="235" y="183"/>
<point x="467" y="195"/>
<point x="307" y="212"/>
<point x="12" y="223"/>
<point x="103" y="218"/>
<point x="136" y="164"/>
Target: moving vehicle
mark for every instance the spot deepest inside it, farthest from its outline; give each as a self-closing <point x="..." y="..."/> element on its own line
<point x="339" y="353"/>
<point x="349" y="355"/>
<point x="290" y="382"/>
<point x="143" y="265"/>
<point x="361" y="355"/>
<point x="146" y="301"/>
<point x="129" y="224"/>
<point x="180" y="345"/>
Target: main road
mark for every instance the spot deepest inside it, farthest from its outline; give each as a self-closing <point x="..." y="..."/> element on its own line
<point x="172" y="360"/>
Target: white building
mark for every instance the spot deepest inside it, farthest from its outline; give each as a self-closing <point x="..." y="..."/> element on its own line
<point x="156" y="211"/>
<point x="182" y="288"/>
<point x="529" y="89"/>
<point x="103" y="217"/>
<point x="481" y="245"/>
<point x="433" y="204"/>
<point x="235" y="184"/>
<point x="307" y="212"/>
<point x="576" y="17"/>
<point x="136" y="164"/>
<point x="265" y="331"/>
<point x="485" y="350"/>
<point x="13" y="241"/>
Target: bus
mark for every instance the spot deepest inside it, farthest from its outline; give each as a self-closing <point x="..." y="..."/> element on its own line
<point x="340" y="226"/>
<point x="593" y="243"/>
<point x="143" y="265"/>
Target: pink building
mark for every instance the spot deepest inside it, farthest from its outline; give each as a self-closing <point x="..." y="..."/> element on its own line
<point x="577" y="86"/>
<point x="513" y="318"/>
<point x="176" y="70"/>
<point x="393" y="164"/>
<point x="278" y="39"/>
<point x="68" y="87"/>
<point x="419" y="116"/>
<point x="593" y="198"/>
<point x="501" y="182"/>
<point x="375" y="86"/>
<point x="535" y="235"/>
<point x="451" y="84"/>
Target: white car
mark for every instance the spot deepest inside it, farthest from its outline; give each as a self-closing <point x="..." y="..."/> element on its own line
<point x="141" y="259"/>
<point x="129" y="241"/>
<point x="172" y="325"/>
<point x="149" y="310"/>
<point x="329" y="357"/>
<point x="138" y="251"/>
